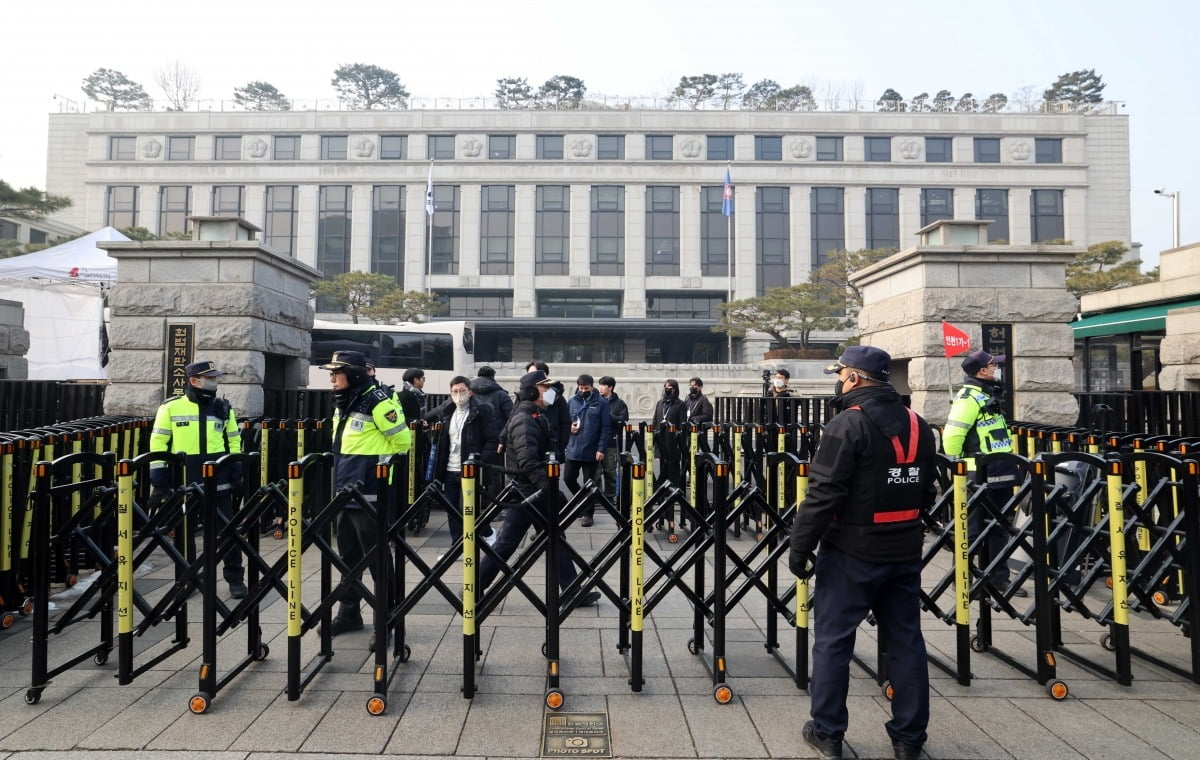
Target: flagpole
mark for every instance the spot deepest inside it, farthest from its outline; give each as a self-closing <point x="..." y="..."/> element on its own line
<point x="429" y="209"/>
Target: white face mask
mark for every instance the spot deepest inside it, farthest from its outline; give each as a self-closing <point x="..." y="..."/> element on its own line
<point x="999" y="376"/>
<point x="461" y="399"/>
<point x="778" y="382"/>
<point x="549" y="395"/>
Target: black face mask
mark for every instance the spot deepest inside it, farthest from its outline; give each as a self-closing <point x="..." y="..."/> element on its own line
<point x="693" y="392"/>
<point x="837" y="388"/>
<point x="670" y="392"/>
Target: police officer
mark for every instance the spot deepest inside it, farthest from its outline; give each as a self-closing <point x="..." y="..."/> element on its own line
<point x="204" y="428"/>
<point x="368" y="426"/>
<point x="872" y="474"/>
<point x="976" y="426"/>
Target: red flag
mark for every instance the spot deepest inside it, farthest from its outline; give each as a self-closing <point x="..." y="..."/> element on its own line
<point x="954" y="339"/>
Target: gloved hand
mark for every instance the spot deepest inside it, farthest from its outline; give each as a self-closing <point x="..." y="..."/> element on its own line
<point x="799" y="565"/>
<point x="158" y="495"/>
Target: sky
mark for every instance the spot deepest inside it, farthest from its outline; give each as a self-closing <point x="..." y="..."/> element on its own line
<point x="1145" y="52"/>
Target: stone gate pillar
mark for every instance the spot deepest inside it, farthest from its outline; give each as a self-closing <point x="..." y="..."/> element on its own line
<point x="248" y="308"/>
<point x="954" y="275"/>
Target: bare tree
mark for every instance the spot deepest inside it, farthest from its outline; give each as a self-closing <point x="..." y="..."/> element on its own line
<point x="1028" y="98"/>
<point x="179" y="84"/>
<point x="856" y="90"/>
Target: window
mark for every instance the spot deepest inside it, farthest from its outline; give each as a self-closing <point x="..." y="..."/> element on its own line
<point x="715" y="232"/>
<point x="772" y="238"/>
<point x="939" y="150"/>
<point x="883" y="217"/>
<point x="441" y="147"/>
<point x="37" y="236"/>
<point x="993" y="204"/>
<point x="496" y="229"/>
<point x="502" y="146"/>
<point x="333" y="235"/>
<point x="227" y="148"/>
<point x="444" y="246"/>
<point x="660" y="147"/>
<point x="122" y="148"/>
<point x="387" y="231"/>
<point x="570" y="347"/>
<point x="987" y="150"/>
<point x="227" y="200"/>
<point x="829" y="149"/>
<point x="279" y="227"/>
<point x="286" y="148"/>
<point x="662" y="231"/>
<point x="474" y="304"/>
<point x="393" y="147"/>
<point x="768" y="148"/>
<point x="8" y="230"/>
<point x="683" y="306"/>
<point x="877" y="148"/>
<point x="610" y="147"/>
<point x="181" y="148"/>
<point x="579" y="305"/>
<point x="1046" y="215"/>
<point x="608" y="230"/>
<point x="691" y="348"/>
<point x="720" y="147"/>
<point x="936" y="203"/>
<point x="333" y="147"/>
<point x="549" y="146"/>
<point x="174" y="208"/>
<point x="551" y="230"/>
<point x="1048" y="150"/>
<point x="828" y="222"/>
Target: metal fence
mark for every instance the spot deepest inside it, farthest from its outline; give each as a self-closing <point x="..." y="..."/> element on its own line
<point x="1173" y="413"/>
<point x="35" y="403"/>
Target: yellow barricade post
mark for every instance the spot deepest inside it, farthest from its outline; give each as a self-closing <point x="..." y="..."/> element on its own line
<point x="124" y="572"/>
<point x="962" y="573"/>
<point x="1120" y="588"/>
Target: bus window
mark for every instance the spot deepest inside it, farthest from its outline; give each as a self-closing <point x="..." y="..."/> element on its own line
<point x="402" y="350"/>
<point x="326" y="342"/>
<point x="439" y="352"/>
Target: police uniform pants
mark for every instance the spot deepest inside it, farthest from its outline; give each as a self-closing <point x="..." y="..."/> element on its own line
<point x="610" y="464"/>
<point x="233" y="560"/>
<point x="356" y="537"/>
<point x="517" y="522"/>
<point x="571" y="472"/>
<point x="978" y="518"/>
<point x="846" y="590"/>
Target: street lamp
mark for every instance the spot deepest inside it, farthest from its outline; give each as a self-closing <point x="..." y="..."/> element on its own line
<point x="1174" y="196"/>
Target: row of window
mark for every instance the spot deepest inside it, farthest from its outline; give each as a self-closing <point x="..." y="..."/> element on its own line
<point x="607" y="239"/>
<point x="608" y="147"/>
<point x="590" y="304"/>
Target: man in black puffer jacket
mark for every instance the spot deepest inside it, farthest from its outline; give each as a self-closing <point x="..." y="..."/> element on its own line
<point x="528" y="441"/>
<point x="872" y="475"/>
<point x="486" y="389"/>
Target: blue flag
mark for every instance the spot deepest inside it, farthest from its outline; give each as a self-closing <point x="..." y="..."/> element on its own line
<point x="727" y="198"/>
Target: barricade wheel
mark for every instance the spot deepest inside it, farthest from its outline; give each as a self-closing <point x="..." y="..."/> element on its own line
<point x="1057" y="690"/>
<point x="1107" y="642"/>
<point x="33" y="696"/>
<point x="723" y="694"/>
<point x="277" y="534"/>
<point x="376" y="705"/>
<point x="977" y="644"/>
<point x="888" y="690"/>
<point x="101" y="657"/>
<point x="758" y="536"/>
<point x="199" y="703"/>
<point x="545" y="650"/>
<point x="1162" y="597"/>
<point x="692" y="646"/>
<point x="404" y="655"/>
<point x="554" y="699"/>
<point x="7" y="620"/>
<point x="71" y="580"/>
<point x="27" y="606"/>
<point x="672" y="538"/>
<point x="263" y="652"/>
<point x="1108" y="581"/>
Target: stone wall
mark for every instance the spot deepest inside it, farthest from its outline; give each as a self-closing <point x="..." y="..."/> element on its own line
<point x="249" y="306"/>
<point x="907" y="296"/>
<point x="14" y="341"/>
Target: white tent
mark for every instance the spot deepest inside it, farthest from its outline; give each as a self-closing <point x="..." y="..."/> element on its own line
<point x="61" y="289"/>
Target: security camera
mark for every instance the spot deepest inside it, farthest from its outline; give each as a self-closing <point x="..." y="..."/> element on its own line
<point x="1160" y="190"/>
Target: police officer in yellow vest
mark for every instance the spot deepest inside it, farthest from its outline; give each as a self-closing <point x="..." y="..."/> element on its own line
<point x="368" y="427"/>
<point x="204" y="428"/>
<point x="976" y="425"/>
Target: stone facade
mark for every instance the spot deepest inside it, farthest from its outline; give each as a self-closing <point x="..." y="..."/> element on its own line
<point x="908" y="295"/>
<point x="14" y="341"/>
<point x="249" y="307"/>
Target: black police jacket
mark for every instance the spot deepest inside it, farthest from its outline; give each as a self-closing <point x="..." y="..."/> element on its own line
<point x="860" y="498"/>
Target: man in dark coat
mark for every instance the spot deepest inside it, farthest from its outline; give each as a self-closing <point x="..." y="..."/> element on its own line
<point x="618" y="415"/>
<point x="469" y="427"/>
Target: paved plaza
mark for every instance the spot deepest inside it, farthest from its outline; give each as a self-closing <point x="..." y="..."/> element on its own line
<point x="1002" y="714"/>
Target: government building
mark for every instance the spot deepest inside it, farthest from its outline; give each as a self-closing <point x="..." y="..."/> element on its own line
<point x="594" y="237"/>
